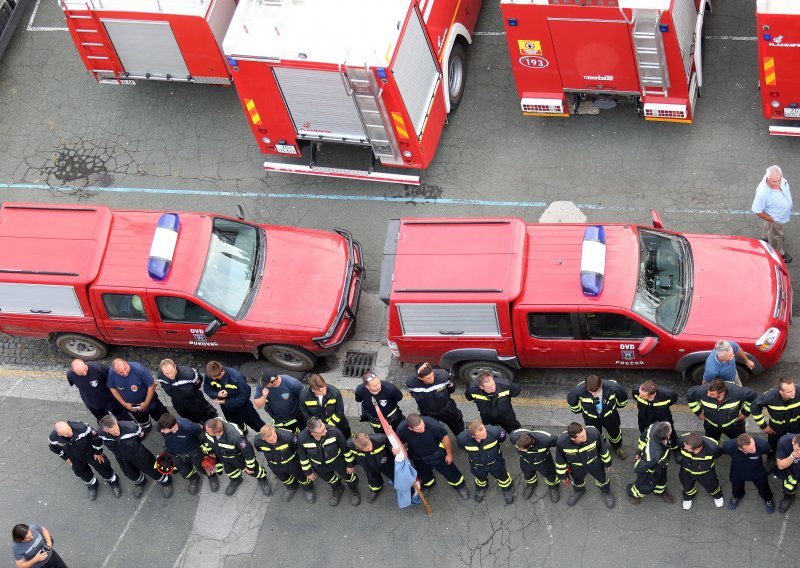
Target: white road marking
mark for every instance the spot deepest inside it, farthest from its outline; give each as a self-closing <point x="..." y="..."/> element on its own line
<point x="32" y="28"/>
<point x="128" y="525"/>
<point x="782" y="534"/>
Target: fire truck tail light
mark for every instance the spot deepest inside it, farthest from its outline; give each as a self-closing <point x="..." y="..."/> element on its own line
<point x="769" y="339"/>
<point x="593" y="260"/>
<point x="163" y="247"/>
<point x="393" y="348"/>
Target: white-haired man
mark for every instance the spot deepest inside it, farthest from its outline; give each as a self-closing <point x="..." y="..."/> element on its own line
<point x="721" y="362"/>
<point x="773" y="203"/>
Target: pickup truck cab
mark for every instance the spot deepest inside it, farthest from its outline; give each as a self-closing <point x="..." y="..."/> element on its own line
<point x="78" y="276"/>
<point x="502" y="295"/>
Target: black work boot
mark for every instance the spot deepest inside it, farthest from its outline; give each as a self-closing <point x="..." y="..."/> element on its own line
<point x="213" y="482"/>
<point x="609" y="499"/>
<point x="289" y="493"/>
<point x="555" y="494"/>
<point x="463" y="492"/>
<point x="311" y="496"/>
<point x="138" y="489"/>
<point x="336" y="494"/>
<point x="233" y="485"/>
<point x="508" y="495"/>
<point x="355" y="496"/>
<point x="93" y="490"/>
<point x="786" y="502"/>
<point x="194" y="485"/>
<point x="530" y="488"/>
<point x="480" y="493"/>
<point x="266" y="488"/>
<point x="372" y="496"/>
<point x="166" y="490"/>
<point x="575" y="497"/>
<point x="116" y="489"/>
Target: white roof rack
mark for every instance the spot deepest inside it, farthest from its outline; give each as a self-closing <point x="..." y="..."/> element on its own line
<point x="180" y="7"/>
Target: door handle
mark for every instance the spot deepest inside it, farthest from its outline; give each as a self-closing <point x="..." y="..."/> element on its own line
<point x="119" y="329"/>
<point x="41" y="311"/>
<point x="541" y="349"/>
<point x="171" y="331"/>
<point x="599" y="349"/>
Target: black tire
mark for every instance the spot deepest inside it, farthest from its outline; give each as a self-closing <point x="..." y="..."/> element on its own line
<point x="80" y="346"/>
<point x="288" y="357"/>
<point x="695" y="373"/>
<point x="456" y="74"/>
<point x="468" y="372"/>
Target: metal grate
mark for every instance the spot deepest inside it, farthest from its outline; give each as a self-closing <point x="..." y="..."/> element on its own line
<point x="356" y="363"/>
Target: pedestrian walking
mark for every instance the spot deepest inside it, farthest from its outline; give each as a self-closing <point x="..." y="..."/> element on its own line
<point x="32" y="547"/>
<point x="183" y="386"/>
<point x="182" y="440"/>
<point x="432" y="389"/>
<point x="134" y="388"/>
<point x="598" y="401"/>
<point x="373" y="391"/>
<point x="773" y="204"/>
<point x="280" y="397"/>
<point x="78" y="444"/>
<point x="91" y="380"/>
<point x="227" y="387"/>
<point x="493" y="397"/>
<point x="747" y="464"/>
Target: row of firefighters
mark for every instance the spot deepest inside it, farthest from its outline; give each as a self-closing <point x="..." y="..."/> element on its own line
<point x="310" y="436"/>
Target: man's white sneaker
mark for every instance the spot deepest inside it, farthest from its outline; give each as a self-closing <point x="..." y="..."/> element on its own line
<point x="687" y="505"/>
<point x="719" y="502"/>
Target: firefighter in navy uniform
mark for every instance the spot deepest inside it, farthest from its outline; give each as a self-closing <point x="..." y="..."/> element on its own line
<point x="234" y="453"/>
<point x="653" y="404"/>
<point x="533" y="447"/>
<point x="182" y="441"/>
<point x="230" y="390"/>
<point x="650" y="466"/>
<point x="431" y="389"/>
<point x="183" y="386"/>
<point x="698" y="465"/>
<point x="323" y="452"/>
<point x="373" y="390"/>
<point x="782" y="403"/>
<point x="373" y="453"/>
<point x="493" y="399"/>
<point x="581" y="451"/>
<point x="279" y="447"/>
<point x="280" y="397"/>
<point x="787" y="460"/>
<point x="90" y="378"/>
<point x="598" y="400"/>
<point x="483" y="444"/>
<point x="324" y="401"/>
<point x="78" y="444"/>
<point x="723" y="407"/>
<point x="136" y="461"/>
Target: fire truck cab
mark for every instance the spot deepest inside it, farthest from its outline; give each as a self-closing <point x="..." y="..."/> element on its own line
<point x="85" y="277"/>
<point x="500" y="295"/>
<point x="351" y="89"/>
<point x="580" y="56"/>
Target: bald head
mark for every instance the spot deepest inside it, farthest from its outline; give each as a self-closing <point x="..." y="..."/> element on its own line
<point x="63" y="429"/>
<point x="79" y="367"/>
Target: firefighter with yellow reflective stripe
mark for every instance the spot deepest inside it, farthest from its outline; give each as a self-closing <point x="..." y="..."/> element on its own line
<point x="234" y="453"/>
<point x="653" y="404"/>
<point x="374" y="391"/>
<point x="483" y="444"/>
<point x="279" y="447"/>
<point x="723" y="407"/>
<point x="783" y="406"/>
<point x="373" y="453"/>
<point x="598" y="400"/>
<point x="650" y="466"/>
<point x="323" y="452"/>
<point x="787" y="458"/>
<point x="580" y="451"/>
<point x="698" y="465"/>
<point x="493" y="397"/>
<point x="533" y="447"/>
<point x="324" y="401"/>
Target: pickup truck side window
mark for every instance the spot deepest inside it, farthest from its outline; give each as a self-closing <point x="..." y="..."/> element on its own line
<point x="124" y="307"/>
<point x="178" y="310"/>
<point x="614" y="326"/>
<point x="551" y="325"/>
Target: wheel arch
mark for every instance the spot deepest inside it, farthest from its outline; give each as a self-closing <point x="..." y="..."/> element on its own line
<point x="459" y="33"/>
<point x="452" y="359"/>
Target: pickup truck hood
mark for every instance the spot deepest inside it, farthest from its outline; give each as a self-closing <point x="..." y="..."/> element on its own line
<point x="734" y="288"/>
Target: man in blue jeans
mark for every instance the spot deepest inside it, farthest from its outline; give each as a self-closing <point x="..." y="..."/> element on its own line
<point x="721" y="362"/>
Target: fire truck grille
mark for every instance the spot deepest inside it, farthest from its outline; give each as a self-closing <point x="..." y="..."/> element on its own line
<point x="665" y="111"/>
<point x="542" y="106"/>
<point x="356" y="363"/>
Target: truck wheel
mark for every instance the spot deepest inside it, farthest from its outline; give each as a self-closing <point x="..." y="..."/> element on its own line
<point x="456" y="74"/>
<point x="468" y="372"/>
<point x="291" y="358"/>
<point x="81" y="346"/>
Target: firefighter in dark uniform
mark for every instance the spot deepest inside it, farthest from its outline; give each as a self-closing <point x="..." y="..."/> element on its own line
<point x="373" y="453"/>
<point x="234" y="453"/>
<point x="782" y="403"/>
<point x="280" y="397"/>
<point x="279" y="447"/>
<point x="229" y="388"/>
<point x="483" y="444"/>
<point x="581" y="451"/>
<point x="431" y="389"/>
<point x="373" y="390"/>
<point x="182" y="440"/>
<point x="533" y="447"/>
<point x="429" y="448"/>
<point x="493" y="399"/>
<point x="598" y="401"/>
<point x="698" y="465"/>
<point x="787" y="459"/>
<point x="91" y="378"/>
<point x="723" y="407"/>
<point x="324" y="401"/>
<point x="323" y="452"/>
<point x="650" y="466"/>
<point x="78" y="444"/>
<point x="183" y="386"/>
<point x="653" y="404"/>
<point x="136" y="461"/>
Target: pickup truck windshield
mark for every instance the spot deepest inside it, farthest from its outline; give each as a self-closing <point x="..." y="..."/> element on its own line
<point x="663" y="292"/>
<point x="229" y="274"/>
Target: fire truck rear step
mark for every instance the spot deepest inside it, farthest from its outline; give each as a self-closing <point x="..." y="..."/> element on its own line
<point x="653" y="75"/>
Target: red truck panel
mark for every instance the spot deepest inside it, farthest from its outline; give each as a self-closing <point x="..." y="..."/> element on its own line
<point x="779" y="65"/>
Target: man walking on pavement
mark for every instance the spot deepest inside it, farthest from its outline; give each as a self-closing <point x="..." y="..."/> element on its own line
<point x="183" y="386"/>
<point x="581" y="451"/>
<point x="234" y="454"/>
<point x="533" y="447"/>
<point x="324" y="401"/>
<point x="280" y="397"/>
<point x="747" y="464"/>
<point x="721" y="362"/>
<point x="134" y="388"/>
<point x="698" y="465"/>
<point x="323" y="452"/>
<point x="653" y="404"/>
<point x="723" y="407"/>
<point x="78" y="444"/>
<point x="787" y="458"/>
<point x="651" y="464"/>
<point x="773" y="204"/>
<point x="483" y="444"/>
<point x="373" y="453"/>
<point x="431" y="389"/>
<point x="782" y="403"/>
<point x="91" y="380"/>
<point x="373" y="390"/>
<point x="598" y="400"/>
<point x="182" y="441"/>
<point x="493" y="398"/>
<point x="227" y="387"/>
<point x="279" y="447"/>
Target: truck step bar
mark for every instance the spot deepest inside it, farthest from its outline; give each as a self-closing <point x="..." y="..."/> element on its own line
<point x="649" y="46"/>
<point x="784" y="130"/>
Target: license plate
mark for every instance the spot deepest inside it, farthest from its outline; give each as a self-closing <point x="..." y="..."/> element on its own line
<point x="115" y="82"/>
<point x="285" y="149"/>
<point x="791" y="112"/>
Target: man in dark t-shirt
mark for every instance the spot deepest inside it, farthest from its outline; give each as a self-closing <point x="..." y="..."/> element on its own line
<point x="747" y="464"/>
<point x="90" y="380"/>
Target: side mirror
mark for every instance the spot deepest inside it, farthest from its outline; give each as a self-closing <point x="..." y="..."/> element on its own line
<point x="213" y="327"/>
<point x="240" y="212"/>
<point x="656" y="219"/>
<point x="647" y="345"/>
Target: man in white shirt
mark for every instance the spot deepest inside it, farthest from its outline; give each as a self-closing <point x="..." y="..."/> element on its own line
<point x="773" y="203"/>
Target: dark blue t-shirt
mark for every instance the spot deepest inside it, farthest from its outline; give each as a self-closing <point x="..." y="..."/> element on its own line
<point x="784" y="450"/>
<point x="284" y="400"/>
<point x="746" y="467"/>
<point x="92" y="386"/>
<point x="132" y="388"/>
<point x="185" y="440"/>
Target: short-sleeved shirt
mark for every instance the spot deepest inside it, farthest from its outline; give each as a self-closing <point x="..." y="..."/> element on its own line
<point x="426" y="443"/>
<point x="132" y="388"/>
<point x="746" y="467"/>
<point x="92" y="386"/>
<point x="775" y="203"/>
<point x="715" y="368"/>
<point x="784" y="450"/>
<point x="27" y="550"/>
<point x="283" y="400"/>
<point x="185" y="440"/>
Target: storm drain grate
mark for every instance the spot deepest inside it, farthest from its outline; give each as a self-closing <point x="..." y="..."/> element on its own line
<point x="356" y="363"/>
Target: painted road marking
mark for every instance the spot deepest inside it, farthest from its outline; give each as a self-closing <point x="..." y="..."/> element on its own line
<point x="32" y="28"/>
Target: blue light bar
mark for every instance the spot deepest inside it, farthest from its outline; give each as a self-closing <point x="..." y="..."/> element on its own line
<point x="593" y="260"/>
<point x="163" y="247"/>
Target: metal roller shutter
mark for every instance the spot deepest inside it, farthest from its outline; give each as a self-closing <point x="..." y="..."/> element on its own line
<point x="458" y="320"/>
<point x="146" y="47"/>
<point x="39" y="299"/>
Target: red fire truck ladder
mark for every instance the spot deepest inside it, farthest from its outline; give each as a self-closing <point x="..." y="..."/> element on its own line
<point x="653" y="75"/>
<point x="94" y="43"/>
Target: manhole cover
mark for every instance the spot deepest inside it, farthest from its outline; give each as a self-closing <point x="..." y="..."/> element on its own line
<point x="356" y="363"/>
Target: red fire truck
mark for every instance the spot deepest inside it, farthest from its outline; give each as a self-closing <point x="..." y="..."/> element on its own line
<point x="501" y="295"/>
<point x="167" y="40"/>
<point x="778" y="37"/>
<point x="85" y="276"/>
<point x="579" y="56"/>
<point x="353" y="89"/>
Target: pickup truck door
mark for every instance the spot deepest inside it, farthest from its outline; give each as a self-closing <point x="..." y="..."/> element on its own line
<point x="611" y="338"/>
<point x="124" y="316"/>
<point x="548" y="336"/>
<point x="182" y="321"/>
